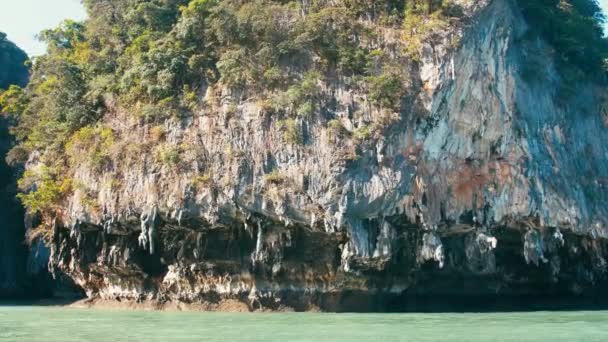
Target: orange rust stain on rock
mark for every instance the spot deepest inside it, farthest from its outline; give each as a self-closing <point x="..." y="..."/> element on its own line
<point x="468" y="183"/>
<point x="412" y="152"/>
<point x="428" y="87"/>
<point x="503" y="172"/>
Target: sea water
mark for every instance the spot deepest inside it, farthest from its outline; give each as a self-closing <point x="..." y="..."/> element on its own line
<point x="46" y="324"/>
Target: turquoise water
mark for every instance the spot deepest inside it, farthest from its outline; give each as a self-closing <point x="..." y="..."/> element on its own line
<point x="48" y="324"/>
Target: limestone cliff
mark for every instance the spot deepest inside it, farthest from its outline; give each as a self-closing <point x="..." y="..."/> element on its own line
<point x="486" y="181"/>
<point x="12" y="249"/>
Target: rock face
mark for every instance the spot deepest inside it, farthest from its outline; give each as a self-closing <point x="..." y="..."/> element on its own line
<point x="12" y="249"/>
<point x="488" y="185"/>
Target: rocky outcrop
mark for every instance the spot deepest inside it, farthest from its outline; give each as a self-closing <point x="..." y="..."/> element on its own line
<point x="12" y="248"/>
<point x="487" y="184"/>
<point x="23" y="269"/>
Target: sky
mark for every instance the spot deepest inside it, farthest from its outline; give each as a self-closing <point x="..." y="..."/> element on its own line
<point x="604" y="5"/>
<point x="24" y="19"/>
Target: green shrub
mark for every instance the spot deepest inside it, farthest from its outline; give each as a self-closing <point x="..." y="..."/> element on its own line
<point x="93" y="145"/>
<point x="157" y="133"/>
<point x="203" y="180"/>
<point x="233" y="68"/>
<point x="386" y="90"/>
<point x="273" y="77"/>
<point x="300" y="98"/>
<point x="169" y="156"/>
<point x="305" y="110"/>
<point x="151" y="113"/>
<point x="274" y="177"/>
<point x="336" y="128"/>
<point x="13" y="101"/>
<point x="291" y="131"/>
<point x="44" y="190"/>
<point x="423" y="19"/>
<point x="363" y="133"/>
<point x="189" y="98"/>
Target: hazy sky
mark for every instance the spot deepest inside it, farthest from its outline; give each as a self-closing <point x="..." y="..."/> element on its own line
<point x="21" y="20"/>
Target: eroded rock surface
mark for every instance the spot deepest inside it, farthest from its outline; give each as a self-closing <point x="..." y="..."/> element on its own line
<point x="487" y="184"/>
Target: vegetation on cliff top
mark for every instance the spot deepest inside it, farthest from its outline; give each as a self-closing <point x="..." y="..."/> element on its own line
<point x="575" y="29"/>
<point x="155" y="59"/>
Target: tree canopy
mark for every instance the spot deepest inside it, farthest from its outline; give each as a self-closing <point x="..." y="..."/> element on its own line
<point x="575" y="29"/>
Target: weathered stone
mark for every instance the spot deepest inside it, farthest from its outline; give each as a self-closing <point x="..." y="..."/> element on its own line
<point x="484" y="177"/>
